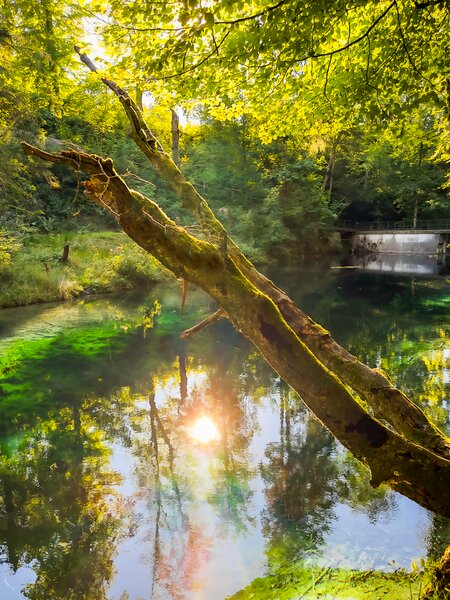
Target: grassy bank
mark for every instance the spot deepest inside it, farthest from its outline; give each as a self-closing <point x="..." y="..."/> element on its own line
<point x="98" y="263"/>
<point x="312" y="583"/>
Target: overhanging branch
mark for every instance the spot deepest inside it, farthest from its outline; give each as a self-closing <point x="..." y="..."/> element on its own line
<point x="219" y="314"/>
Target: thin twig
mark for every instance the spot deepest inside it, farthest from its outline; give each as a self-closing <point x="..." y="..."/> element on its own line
<point x="353" y="42"/>
<point x="251" y="17"/>
<point x="197" y="64"/>
<point x="130" y="174"/>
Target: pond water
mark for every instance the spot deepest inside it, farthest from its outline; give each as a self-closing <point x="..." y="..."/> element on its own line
<point x="137" y="466"/>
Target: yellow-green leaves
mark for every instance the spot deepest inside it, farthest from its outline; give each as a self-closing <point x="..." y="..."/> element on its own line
<point x="294" y="65"/>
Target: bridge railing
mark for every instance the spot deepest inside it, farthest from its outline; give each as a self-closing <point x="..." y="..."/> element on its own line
<point x="421" y="225"/>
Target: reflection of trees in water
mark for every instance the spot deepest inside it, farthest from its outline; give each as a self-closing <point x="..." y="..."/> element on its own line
<point x="354" y="489"/>
<point x="73" y="395"/>
<point x="226" y="391"/>
<point x="67" y="398"/>
<point x="300" y="478"/>
<point x="399" y="324"/>
<point x="168" y="575"/>
<point x="231" y="496"/>
<point x="306" y="475"/>
<point x="59" y="510"/>
<point x="179" y="541"/>
<point x="438" y="536"/>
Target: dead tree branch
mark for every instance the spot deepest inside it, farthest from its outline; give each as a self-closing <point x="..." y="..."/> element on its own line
<point x="219" y="314"/>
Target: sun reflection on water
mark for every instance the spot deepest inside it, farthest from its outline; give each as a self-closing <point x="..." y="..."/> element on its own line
<point x="204" y="430"/>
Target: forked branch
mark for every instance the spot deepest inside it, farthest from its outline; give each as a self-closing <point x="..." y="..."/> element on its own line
<point x="408" y="468"/>
<point x="303" y="353"/>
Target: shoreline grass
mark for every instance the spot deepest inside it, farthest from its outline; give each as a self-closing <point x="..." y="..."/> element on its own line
<point x="98" y="263"/>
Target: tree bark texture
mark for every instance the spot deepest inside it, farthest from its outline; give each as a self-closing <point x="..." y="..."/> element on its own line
<point x="360" y="406"/>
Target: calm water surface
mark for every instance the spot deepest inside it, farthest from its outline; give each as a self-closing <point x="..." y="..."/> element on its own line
<point x="137" y="466"/>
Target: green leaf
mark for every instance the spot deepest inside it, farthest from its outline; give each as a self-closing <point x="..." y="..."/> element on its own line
<point x="209" y="19"/>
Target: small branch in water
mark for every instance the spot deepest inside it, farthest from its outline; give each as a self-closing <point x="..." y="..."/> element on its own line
<point x="184" y="294"/>
<point x="219" y="314"/>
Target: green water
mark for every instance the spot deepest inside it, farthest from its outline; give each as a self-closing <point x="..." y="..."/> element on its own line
<point x="104" y="491"/>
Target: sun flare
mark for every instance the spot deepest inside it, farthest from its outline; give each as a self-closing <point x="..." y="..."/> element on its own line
<point x="204" y="430"/>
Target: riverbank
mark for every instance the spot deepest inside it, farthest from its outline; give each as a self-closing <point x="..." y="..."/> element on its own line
<point x="97" y="263"/>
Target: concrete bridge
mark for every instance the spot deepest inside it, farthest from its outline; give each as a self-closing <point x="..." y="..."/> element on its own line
<point x="431" y="237"/>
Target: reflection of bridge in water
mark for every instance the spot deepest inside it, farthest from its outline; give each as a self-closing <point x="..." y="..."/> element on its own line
<point x="424" y="237"/>
<point x="400" y="264"/>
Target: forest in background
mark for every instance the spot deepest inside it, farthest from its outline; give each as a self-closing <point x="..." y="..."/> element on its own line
<point x="278" y="178"/>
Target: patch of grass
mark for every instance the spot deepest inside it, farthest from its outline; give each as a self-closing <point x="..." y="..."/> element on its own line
<point x="99" y="263"/>
<point x="296" y="582"/>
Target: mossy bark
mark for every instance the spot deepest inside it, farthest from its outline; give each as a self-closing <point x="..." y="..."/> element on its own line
<point x="413" y="470"/>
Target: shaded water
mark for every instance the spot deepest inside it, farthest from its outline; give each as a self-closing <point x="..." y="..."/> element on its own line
<point x="109" y="489"/>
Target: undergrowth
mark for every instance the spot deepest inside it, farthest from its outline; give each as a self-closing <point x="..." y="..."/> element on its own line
<point x="99" y="263"/>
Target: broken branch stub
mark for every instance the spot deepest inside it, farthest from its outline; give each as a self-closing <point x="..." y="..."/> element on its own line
<point x="219" y="314"/>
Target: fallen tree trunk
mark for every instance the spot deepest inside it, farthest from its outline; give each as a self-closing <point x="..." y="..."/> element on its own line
<point x="385" y="401"/>
<point x="410" y="454"/>
<point x="411" y="469"/>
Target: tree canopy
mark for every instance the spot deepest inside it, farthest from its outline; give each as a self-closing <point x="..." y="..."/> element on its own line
<point x="355" y="95"/>
<point x="317" y="66"/>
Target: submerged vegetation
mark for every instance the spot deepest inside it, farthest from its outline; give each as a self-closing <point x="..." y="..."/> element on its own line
<point x="312" y="583"/>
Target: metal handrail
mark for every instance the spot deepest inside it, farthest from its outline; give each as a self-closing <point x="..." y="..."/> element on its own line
<point x="419" y="225"/>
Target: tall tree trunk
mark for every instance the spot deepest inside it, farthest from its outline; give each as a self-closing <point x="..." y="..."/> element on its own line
<point x="139" y="96"/>
<point x="327" y="185"/>
<point x="175" y="138"/>
<point x="447" y="89"/>
<point x="50" y="55"/>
